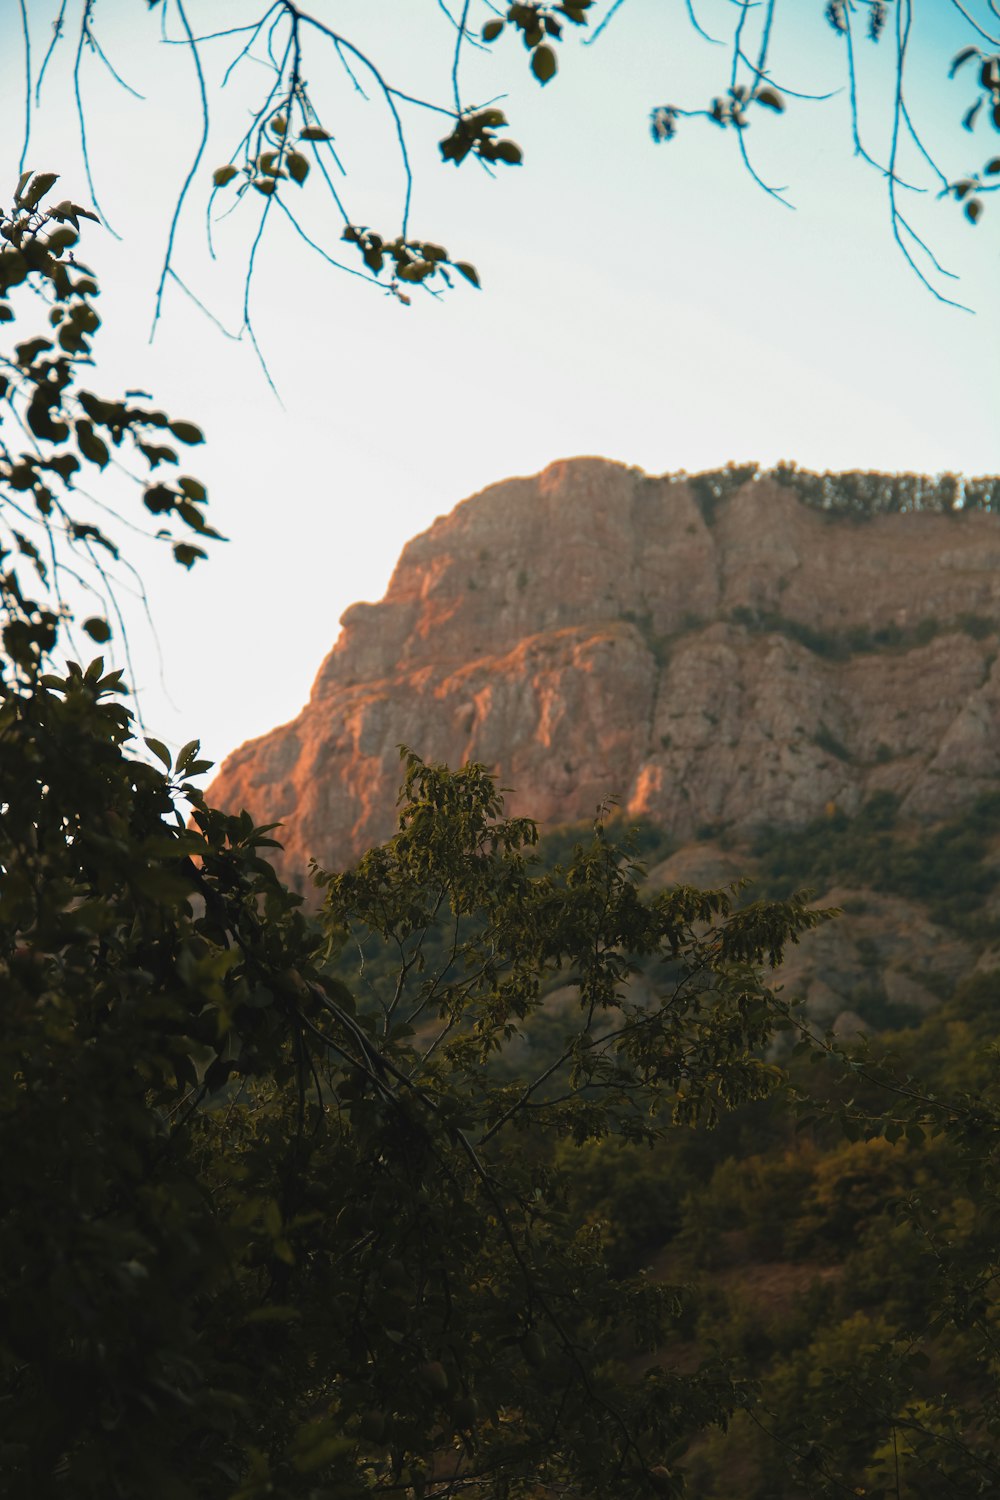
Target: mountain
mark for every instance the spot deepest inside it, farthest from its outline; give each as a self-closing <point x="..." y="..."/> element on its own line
<point x="782" y="675"/>
<point x="713" y="652"/>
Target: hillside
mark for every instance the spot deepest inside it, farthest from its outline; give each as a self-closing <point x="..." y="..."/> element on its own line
<point x="777" y="677"/>
<point x="593" y="632"/>
<point x="734" y="663"/>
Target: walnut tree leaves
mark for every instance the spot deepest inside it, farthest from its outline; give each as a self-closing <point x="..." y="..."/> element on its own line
<point x="271" y="154"/>
<point x="412" y="261"/>
<point x="968" y="190"/>
<point x="474" y="133"/>
<point x="70" y="431"/>
<point x="539" y="26"/>
<point x="277" y="160"/>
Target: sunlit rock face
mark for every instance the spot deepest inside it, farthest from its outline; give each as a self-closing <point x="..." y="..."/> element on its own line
<point x="593" y="632"/>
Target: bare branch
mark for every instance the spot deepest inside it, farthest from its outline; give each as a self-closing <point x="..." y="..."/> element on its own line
<point x="27" y="86"/>
<point x="195" y="164"/>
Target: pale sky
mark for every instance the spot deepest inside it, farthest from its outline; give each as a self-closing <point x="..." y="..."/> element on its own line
<point x="646" y="303"/>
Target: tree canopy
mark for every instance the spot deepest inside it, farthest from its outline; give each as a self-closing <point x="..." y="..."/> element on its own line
<point x="263" y="1234"/>
<point x="300" y="64"/>
<point x="304" y="1201"/>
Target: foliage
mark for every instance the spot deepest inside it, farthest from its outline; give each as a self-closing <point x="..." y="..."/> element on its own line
<point x="858" y="495"/>
<point x="260" y="1239"/>
<point x="713" y="487"/>
<point x="288" y="152"/>
<point x="863" y="495"/>
<point x="851" y="1281"/>
<point x="841" y="645"/>
<point x="947" y="866"/>
<point x="369" y="964"/>
<point x="68" y="431"/>
<point x="266" y="1234"/>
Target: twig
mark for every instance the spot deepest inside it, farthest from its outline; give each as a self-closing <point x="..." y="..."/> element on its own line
<point x="604" y="24"/>
<point x="57" y="28"/>
<point x="178" y="206"/>
<point x="458" y="53"/>
<point x="27" y="86"/>
<point x="716" y="41"/>
<point x="85" y="36"/>
<point x="897" y="220"/>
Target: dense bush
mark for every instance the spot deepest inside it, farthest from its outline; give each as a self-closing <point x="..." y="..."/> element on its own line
<point x="949" y="866"/>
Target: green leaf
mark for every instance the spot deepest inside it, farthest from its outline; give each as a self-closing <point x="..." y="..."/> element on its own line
<point x="469" y="272"/>
<point x="509" y="152"/>
<point x="91" y="446"/>
<point x="222" y="175"/>
<point x="492" y="30"/>
<point x="992" y="167"/>
<point x="187" y="754"/>
<point x="40" y="185"/>
<point x="187" y="554"/>
<point x="454" y="147"/>
<point x="973" y="210"/>
<point x="160" y="750"/>
<point x="159" y="499"/>
<point x="13" y="268"/>
<point x="99" y="630"/>
<point x="157" y="453"/>
<point x="961" y="58"/>
<point x="186" y="432"/>
<point x="192" y="488"/>
<point x="543" y="63"/>
<point x="771" y="99"/>
<point x="61" y="239"/>
<point x="73" y="213"/>
<point x="28" y="352"/>
<point x="315" y="133"/>
<point x="298" y="167"/>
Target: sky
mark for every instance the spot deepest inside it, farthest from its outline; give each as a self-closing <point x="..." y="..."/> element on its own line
<point x="647" y="303"/>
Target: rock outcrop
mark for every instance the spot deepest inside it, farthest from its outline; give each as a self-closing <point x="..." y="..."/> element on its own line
<point x="593" y="632"/>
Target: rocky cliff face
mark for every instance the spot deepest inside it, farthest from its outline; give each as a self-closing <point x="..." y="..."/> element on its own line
<point x="594" y="632"/>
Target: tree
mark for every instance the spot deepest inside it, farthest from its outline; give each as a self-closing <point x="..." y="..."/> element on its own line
<point x="269" y="1233"/>
<point x="47" y="526"/>
<point x="264" y="1238"/>
<point x="287" y="152"/>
